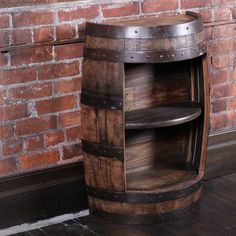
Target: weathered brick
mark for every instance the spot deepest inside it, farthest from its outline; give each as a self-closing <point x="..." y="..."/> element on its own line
<point x="72" y="151"/>
<point x="223" y="61"/>
<point x="56" y="104"/>
<point x="3" y="60"/>
<point x="233" y="11"/>
<point x="30" y="91"/>
<point x="87" y="12"/>
<point x="67" y="86"/>
<point x="3" y="95"/>
<point x="66" y="31"/>
<point x="15" y="76"/>
<point x="219" y="105"/>
<point x="4" y="38"/>
<point x="231" y="104"/>
<point x="53" y="71"/>
<point x="70" y="119"/>
<point x="38" y="160"/>
<point x="218" y="122"/>
<point x="4" y="20"/>
<point x="31" y="55"/>
<point x="220" y="46"/>
<point x="53" y="138"/>
<point x="31" y="18"/>
<point x="13" y="112"/>
<point x="8" y="166"/>
<point x="69" y="51"/>
<point x="149" y="6"/>
<point x="43" y="34"/>
<point x="6" y="131"/>
<point x="121" y="9"/>
<point x="34" y="143"/>
<point x="220" y="91"/>
<point x="220" y="31"/>
<point x="12" y="147"/>
<point x="35" y="125"/>
<point x="222" y="14"/>
<point x="73" y="134"/>
<point x="220" y="76"/>
<point x="195" y="3"/>
<point x="21" y="36"/>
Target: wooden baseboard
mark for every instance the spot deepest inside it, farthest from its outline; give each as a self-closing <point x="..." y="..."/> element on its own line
<point x="41" y="195"/>
<point x="44" y="194"/>
<point x="221" y="154"/>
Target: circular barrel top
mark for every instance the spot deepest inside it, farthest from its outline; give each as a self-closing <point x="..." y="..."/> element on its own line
<point x="158" y="27"/>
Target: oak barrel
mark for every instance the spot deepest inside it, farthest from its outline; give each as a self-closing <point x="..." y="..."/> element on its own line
<point x="144" y="111"/>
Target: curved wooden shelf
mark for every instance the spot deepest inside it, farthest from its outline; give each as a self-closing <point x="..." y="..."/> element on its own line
<point x="162" y="176"/>
<point x="162" y="116"/>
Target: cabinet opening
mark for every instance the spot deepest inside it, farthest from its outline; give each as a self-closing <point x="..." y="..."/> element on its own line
<point x="162" y="110"/>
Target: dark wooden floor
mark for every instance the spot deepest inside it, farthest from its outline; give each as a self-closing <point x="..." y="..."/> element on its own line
<point x="215" y="215"/>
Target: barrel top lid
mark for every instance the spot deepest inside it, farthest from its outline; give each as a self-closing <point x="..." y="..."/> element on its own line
<point x="151" y="27"/>
<point x="154" y="21"/>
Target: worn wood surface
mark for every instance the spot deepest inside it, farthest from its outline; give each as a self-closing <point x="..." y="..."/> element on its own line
<point x="215" y="215"/>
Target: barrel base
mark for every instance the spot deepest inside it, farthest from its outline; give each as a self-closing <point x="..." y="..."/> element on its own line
<point x="143" y="218"/>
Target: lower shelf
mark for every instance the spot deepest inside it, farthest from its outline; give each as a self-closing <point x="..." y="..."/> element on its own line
<point x="159" y="176"/>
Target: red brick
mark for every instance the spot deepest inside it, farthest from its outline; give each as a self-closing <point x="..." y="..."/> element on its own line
<point x="3" y="60"/>
<point x="67" y="86"/>
<point x="70" y="119"/>
<point x="90" y="12"/>
<point x="34" y="143"/>
<point x="149" y="6"/>
<point x="31" y="55"/>
<point x="220" y="46"/>
<point x="218" y="122"/>
<point x="219" y="105"/>
<point x="224" y="2"/>
<point x="31" y="18"/>
<point x="30" y="92"/>
<point x="13" y="112"/>
<point x="12" y="147"/>
<point x="15" y="76"/>
<point x="66" y="31"/>
<point x="219" y="62"/>
<point x="6" y="131"/>
<point x="233" y="10"/>
<point x="207" y="14"/>
<point x="8" y="166"/>
<point x="21" y="36"/>
<point x="222" y="14"/>
<point x="231" y="104"/>
<point x="221" y="31"/>
<point x="72" y="151"/>
<point x="56" y="104"/>
<point x="4" y="20"/>
<point x="69" y="51"/>
<point x="233" y="76"/>
<point x="43" y="34"/>
<point x="73" y="134"/>
<point x="53" y="138"/>
<point x="220" y="91"/>
<point x="195" y="3"/>
<point x="35" y="125"/>
<point x="220" y="76"/>
<point x="122" y="9"/>
<point x="4" y="38"/>
<point x="3" y="96"/>
<point x="38" y="160"/>
<point x="53" y="71"/>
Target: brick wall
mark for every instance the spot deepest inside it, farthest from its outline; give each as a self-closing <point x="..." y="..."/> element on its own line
<point x="40" y="72"/>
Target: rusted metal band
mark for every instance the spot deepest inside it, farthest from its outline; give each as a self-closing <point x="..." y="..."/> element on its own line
<point x="111" y="103"/>
<point x="145" y="56"/>
<point x="103" y="151"/>
<point x="142" y="197"/>
<point x="143" y="32"/>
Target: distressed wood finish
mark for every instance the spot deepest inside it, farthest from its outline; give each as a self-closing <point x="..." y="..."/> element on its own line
<point x="144" y="122"/>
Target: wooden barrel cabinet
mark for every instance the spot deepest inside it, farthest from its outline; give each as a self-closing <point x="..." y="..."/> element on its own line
<point x="144" y="106"/>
